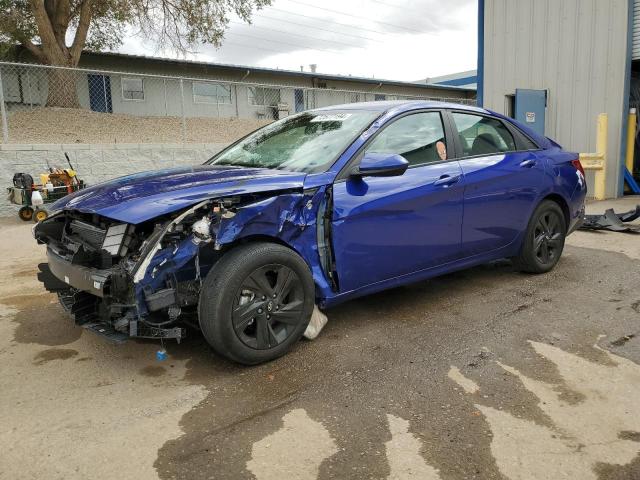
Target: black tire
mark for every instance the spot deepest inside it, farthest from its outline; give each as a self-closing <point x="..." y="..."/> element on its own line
<point x="239" y="316"/>
<point x="544" y="239"/>
<point x="25" y="214"/>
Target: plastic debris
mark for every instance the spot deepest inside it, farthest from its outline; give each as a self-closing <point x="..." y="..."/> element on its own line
<point x="318" y="322"/>
<point x="615" y="222"/>
<point x="161" y="355"/>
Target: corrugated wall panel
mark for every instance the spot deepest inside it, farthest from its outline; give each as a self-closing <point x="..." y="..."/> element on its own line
<point x="636" y="29"/>
<point x="575" y="49"/>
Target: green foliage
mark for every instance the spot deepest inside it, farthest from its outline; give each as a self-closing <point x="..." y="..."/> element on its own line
<point x="42" y="25"/>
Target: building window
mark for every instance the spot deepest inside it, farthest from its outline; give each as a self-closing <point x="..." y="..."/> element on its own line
<point x="213" y="93"/>
<point x="261" y="96"/>
<point x="379" y="97"/>
<point x="133" y="89"/>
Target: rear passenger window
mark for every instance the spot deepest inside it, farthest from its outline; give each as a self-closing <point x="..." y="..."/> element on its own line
<point x="419" y="138"/>
<point x="482" y="135"/>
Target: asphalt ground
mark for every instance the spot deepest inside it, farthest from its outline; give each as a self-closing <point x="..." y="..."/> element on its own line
<point x="484" y="374"/>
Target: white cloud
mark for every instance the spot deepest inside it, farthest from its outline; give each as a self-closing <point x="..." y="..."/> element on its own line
<point x="390" y="39"/>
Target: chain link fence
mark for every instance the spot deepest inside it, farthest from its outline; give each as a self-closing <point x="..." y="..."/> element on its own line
<point x="43" y="104"/>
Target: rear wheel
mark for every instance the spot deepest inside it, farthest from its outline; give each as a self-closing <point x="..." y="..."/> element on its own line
<point x="544" y="240"/>
<point x="256" y="302"/>
<point x="25" y="213"/>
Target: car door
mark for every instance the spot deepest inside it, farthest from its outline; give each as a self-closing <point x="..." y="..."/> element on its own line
<point x="504" y="176"/>
<point x="385" y="227"/>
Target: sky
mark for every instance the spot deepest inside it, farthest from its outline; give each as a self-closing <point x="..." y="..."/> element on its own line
<point x="405" y="40"/>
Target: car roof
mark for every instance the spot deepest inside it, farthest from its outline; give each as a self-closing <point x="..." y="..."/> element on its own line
<point x="398" y="106"/>
<point x="391" y="108"/>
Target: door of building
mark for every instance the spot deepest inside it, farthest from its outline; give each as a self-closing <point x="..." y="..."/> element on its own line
<point x="100" y="93"/>
<point x="530" y="108"/>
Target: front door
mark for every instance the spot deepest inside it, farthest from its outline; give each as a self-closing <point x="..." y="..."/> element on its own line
<point x="386" y="227"/>
<point x="100" y="93"/>
<point x="502" y="183"/>
<point x="298" y="97"/>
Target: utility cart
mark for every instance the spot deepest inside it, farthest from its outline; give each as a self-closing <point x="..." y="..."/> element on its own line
<point x="33" y="197"/>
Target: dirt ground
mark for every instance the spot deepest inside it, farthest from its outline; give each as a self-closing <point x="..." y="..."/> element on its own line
<point x="68" y="125"/>
<point x="482" y="374"/>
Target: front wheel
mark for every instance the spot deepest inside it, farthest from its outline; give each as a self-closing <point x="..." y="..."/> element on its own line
<point x="40" y="215"/>
<point x="544" y="239"/>
<point x="256" y="302"/>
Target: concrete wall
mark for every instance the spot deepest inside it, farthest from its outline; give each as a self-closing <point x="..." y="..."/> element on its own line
<point x="96" y="163"/>
<point x="575" y="49"/>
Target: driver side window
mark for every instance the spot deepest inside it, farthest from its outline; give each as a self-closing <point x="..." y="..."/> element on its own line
<point x="419" y="138"/>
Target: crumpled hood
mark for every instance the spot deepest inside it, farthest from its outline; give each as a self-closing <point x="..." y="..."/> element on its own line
<point x="143" y="196"/>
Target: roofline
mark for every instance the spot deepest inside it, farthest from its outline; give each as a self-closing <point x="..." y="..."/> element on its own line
<point x="311" y="75"/>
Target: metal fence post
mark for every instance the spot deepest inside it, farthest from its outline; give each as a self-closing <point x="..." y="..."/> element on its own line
<point x="166" y="107"/>
<point x="3" y="113"/>
<point x="29" y="89"/>
<point x="184" y="120"/>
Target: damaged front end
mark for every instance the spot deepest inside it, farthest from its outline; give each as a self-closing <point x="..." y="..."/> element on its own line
<point x="144" y="280"/>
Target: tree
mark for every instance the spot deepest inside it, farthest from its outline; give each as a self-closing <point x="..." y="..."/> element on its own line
<point x="56" y="32"/>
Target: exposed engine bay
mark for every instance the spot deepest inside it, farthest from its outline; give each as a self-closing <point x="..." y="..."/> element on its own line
<point x="144" y="280"/>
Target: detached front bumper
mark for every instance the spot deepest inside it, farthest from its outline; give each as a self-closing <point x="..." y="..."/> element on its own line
<point x="86" y="279"/>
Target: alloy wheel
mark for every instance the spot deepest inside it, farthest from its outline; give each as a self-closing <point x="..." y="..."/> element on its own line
<point x="548" y="237"/>
<point x="268" y="306"/>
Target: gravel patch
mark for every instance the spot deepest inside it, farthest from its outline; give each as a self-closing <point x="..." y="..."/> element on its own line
<point x="68" y="125"/>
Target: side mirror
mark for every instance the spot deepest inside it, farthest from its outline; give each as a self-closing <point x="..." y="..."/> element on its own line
<point x="380" y="165"/>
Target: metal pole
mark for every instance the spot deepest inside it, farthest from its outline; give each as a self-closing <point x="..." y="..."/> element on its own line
<point x="166" y="109"/>
<point x="29" y="88"/>
<point x="3" y="113"/>
<point x="235" y="91"/>
<point x="104" y="91"/>
<point x="184" y="120"/>
<point x="631" y="139"/>
<point x="217" y="101"/>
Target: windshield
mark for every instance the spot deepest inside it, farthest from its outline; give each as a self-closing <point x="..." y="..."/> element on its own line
<point x="308" y="142"/>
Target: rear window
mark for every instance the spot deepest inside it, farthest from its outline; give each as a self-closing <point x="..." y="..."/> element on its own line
<point x="483" y="135"/>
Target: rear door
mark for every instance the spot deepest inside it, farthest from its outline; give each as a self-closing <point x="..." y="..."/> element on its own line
<point x="385" y="227"/>
<point x="504" y="175"/>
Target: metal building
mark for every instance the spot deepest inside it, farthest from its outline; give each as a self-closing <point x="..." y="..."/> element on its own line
<point x="557" y="64"/>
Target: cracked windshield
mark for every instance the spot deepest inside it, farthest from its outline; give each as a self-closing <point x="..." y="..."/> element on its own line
<point x="309" y="142"/>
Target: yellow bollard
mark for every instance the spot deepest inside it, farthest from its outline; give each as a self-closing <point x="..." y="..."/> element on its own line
<point x="598" y="161"/>
<point x="631" y="138"/>
<point x="600" y="184"/>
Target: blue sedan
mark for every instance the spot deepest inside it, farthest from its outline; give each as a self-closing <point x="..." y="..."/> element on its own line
<point x="315" y="209"/>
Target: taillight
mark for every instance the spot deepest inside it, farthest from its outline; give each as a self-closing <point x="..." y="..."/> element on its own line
<point x="578" y="166"/>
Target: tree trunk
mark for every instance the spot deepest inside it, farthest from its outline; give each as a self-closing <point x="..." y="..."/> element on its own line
<point x="62" y="89"/>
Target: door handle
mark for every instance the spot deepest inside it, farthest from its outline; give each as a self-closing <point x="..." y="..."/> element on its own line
<point x="447" y="180"/>
<point x="528" y="164"/>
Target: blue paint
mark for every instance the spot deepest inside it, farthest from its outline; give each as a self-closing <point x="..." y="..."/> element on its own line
<point x="459" y="82"/>
<point x="386" y="231"/>
<point x="531" y="108"/>
<point x="625" y="98"/>
<point x="379" y="163"/>
<point x="633" y="185"/>
<point x="100" y="93"/>
<point x="481" y="16"/>
<point x="143" y="196"/>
